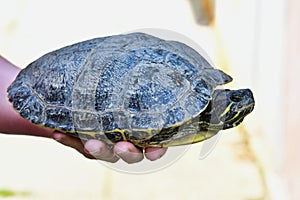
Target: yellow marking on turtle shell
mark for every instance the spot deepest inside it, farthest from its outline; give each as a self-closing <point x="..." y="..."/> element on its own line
<point x="122" y="131"/>
<point x="189" y="139"/>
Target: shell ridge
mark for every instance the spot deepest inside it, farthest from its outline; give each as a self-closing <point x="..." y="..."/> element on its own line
<point x="83" y="67"/>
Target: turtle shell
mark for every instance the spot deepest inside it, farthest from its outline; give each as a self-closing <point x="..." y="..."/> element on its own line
<point x="108" y="85"/>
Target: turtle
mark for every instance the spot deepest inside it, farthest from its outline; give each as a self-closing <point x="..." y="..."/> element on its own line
<point x="132" y="87"/>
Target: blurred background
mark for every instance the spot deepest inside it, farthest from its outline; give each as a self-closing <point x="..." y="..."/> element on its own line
<point x="256" y="42"/>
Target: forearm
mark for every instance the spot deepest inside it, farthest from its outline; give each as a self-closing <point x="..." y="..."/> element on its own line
<point x="10" y="121"/>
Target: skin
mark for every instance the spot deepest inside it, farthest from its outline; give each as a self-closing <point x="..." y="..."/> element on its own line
<point x="12" y="123"/>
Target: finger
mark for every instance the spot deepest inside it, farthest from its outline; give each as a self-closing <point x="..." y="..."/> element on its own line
<point x="100" y="151"/>
<point x="72" y="142"/>
<point x="154" y="153"/>
<point x="128" y="152"/>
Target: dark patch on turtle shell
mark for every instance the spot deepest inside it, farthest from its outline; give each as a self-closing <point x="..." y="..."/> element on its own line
<point x="108" y="121"/>
<point x="202" y="88"/>
<point x="60" y="118"/>
<point x="173" y="116"/>
<point x="111" y="79"/>
<point x="114" y="136"/>
<point x="164" y="134"/>
<point x="147" y="121"/>
<point x="34" y="111"/>
<point x="20" y="97"/>
<point x="134" y="103"/>
<point x="141" y="122"/>
<point x="149" y="96"/>
<point x="181" y="65"/>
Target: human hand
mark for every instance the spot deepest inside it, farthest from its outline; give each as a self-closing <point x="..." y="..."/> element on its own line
<point x="95" y="149"/>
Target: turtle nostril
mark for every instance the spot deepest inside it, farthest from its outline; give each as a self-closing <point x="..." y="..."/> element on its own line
<point x="236" y="98"/>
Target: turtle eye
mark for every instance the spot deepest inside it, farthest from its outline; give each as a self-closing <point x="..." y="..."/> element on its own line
<point x="236" y="98"/>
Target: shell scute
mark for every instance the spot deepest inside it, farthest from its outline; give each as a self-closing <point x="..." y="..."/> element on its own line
<point x="59" y="118"/>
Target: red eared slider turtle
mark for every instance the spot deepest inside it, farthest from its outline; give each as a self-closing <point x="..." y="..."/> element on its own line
<point x="133" y="87"/>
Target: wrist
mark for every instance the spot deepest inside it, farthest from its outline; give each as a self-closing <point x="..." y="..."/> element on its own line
<point x="10" y="121"/>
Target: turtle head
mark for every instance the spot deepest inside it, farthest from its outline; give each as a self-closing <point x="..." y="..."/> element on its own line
<point x="228" y="108"/>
